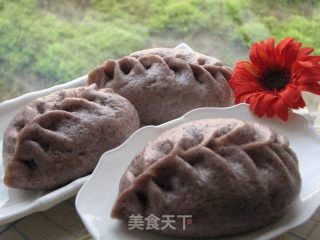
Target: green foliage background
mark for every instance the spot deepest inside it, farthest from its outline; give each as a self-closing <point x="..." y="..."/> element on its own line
<point x="43" y="43"/>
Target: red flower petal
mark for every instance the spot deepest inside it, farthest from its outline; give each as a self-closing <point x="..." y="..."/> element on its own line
<point x="247" y="88"/>
<point x="270" y="47"/>
<point x="301" y="102"/>
<point x="261" y="103"/>
<point x="258" y="57"/>
<point x="291" y="96"/>
<point x="281" y="109"/>
<point x="307" y="78"/>
<point x="246" y="97"/>
<point x="270" y="112"/>
<point x="282" y="45"/>
<point x="244" y="72"/>
<point x="314" y="59"/>
<point x="254" y="101"/>
<point x="304" y="52"/>
<point x="310" y="87"/>
<point x="288" y="52"/>
<point x="306" y="64"/>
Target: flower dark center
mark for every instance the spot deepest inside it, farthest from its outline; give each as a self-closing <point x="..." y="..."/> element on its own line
<point x="275" y="79"/>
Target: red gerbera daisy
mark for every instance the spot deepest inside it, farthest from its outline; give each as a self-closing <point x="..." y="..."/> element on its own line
<point x="272" y="81"/>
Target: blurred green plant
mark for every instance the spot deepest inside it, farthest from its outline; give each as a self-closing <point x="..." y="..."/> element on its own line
<point x="52" y="49"/>
<point x="301" y="28"/>
<point x="45" y="42"/>
<point x="253" y="31"/>
<point x="181" y="16"/>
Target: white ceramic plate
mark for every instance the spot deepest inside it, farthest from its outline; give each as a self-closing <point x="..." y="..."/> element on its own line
<point x="15" y="204"/>
<point x="97" y="196"/>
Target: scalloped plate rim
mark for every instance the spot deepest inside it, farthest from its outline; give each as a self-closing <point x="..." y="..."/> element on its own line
<point x="240" y="108"/>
